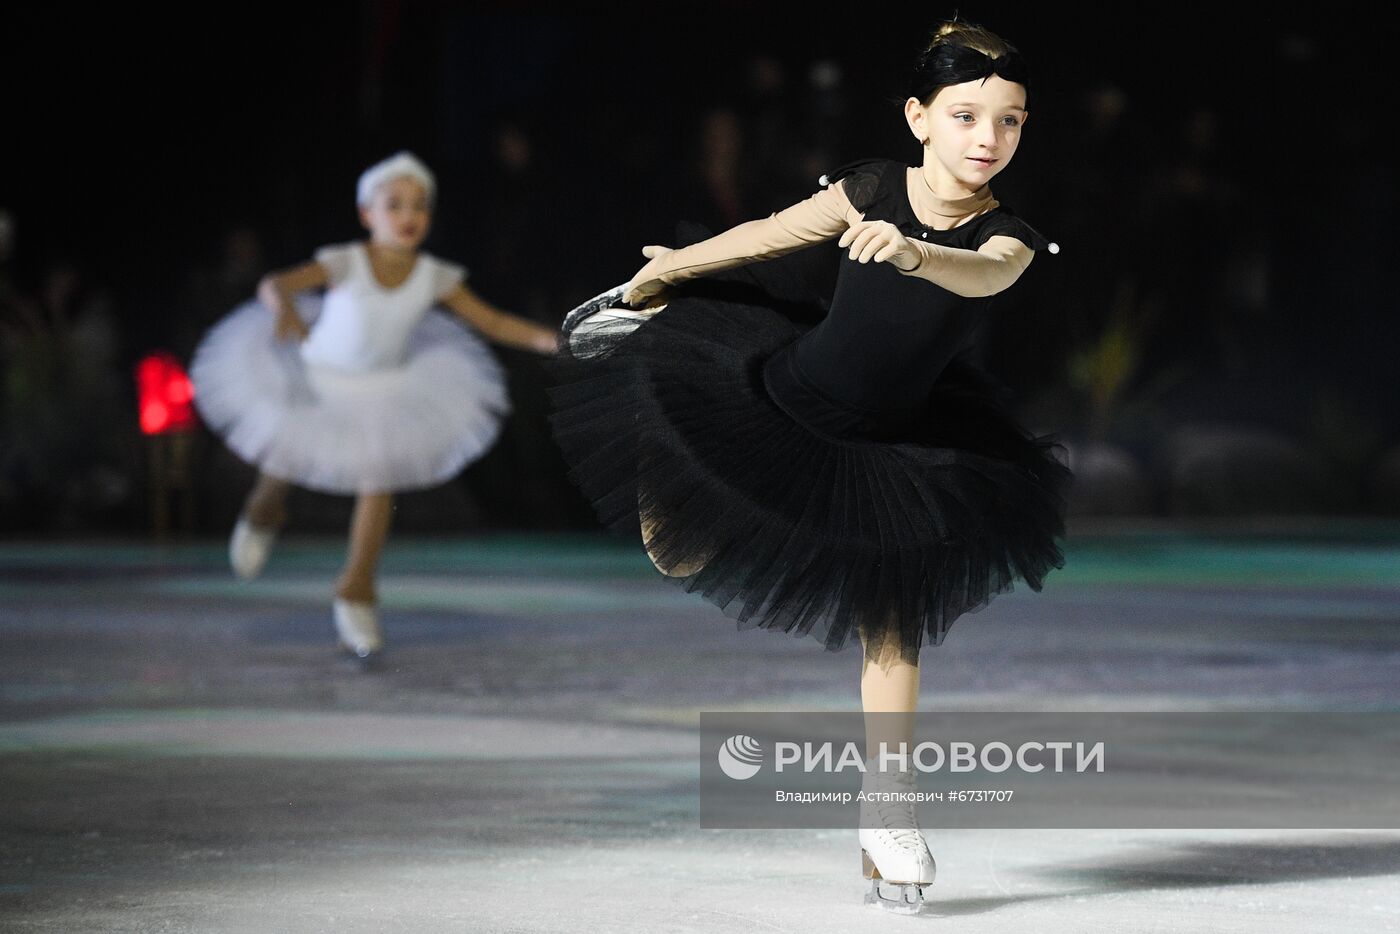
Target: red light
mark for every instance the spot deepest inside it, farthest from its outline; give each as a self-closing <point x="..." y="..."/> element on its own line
<point x="164" y="394"/>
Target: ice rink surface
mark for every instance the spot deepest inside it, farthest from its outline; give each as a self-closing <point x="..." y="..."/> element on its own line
<point x="182" y="751"/>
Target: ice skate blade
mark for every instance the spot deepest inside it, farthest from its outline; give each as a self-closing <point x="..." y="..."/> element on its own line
<point x="911" y="894"/>
<point x="357" y="626"/>
<point x="595" y="335"/>
<point x="361" y="660"/>
<point x="593" y="327"/>
<point x="611" y="297"/>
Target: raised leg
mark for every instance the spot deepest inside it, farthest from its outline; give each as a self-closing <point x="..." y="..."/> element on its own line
<point x="266" y="505"/>
<point x="264" y="514"/>
<point x="650" y="525"/>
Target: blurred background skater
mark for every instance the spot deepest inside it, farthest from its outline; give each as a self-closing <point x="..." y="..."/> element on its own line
<point x="365" y="392"/>
<point x="861" y="478"/>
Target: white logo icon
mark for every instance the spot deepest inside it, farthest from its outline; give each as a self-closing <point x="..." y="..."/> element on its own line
<point x="740" y="757"/>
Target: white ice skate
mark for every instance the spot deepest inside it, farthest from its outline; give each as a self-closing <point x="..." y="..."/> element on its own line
<point x="893" y="850"/>
<point x="249" y="547"/>
<point x="603" y="314"/>
<point x="357" y="624"/>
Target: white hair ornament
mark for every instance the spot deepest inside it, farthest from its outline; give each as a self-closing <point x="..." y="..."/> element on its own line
<point x="400" y="165"/>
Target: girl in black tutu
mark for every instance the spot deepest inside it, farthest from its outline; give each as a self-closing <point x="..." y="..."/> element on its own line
<point x="859" y="478"/>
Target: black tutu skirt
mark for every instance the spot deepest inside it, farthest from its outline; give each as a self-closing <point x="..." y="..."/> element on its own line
<point x="808" y="517"/>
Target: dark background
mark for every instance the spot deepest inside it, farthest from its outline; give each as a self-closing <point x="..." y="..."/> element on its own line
<point x="1217" y="335"/>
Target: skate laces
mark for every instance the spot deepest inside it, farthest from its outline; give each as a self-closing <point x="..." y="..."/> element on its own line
<point x="907" y="834"/>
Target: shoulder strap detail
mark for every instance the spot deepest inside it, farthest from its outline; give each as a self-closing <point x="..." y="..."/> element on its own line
<point x="1012" y="225"/>
<point x="860" y="181"/>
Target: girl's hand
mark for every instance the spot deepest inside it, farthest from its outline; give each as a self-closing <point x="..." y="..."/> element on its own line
<point x="291" y="327"/>
<point x="644" y="285"/>
<point x="882" y="242"/>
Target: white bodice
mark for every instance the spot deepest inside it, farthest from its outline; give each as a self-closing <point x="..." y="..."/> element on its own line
<point x="363" y="325"/>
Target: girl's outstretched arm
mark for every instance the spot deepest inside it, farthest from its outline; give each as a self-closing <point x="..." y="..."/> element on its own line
<point x="819" y="218"/>
<point x="498" y="325"/>
<point x="275" y="290"/>
<point x="986" y="270"/>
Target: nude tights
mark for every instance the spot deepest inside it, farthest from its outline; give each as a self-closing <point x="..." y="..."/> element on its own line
<point x="369" y="528"/>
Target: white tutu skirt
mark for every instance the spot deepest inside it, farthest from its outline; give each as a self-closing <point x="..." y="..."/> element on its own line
<point x="379" y="431"/>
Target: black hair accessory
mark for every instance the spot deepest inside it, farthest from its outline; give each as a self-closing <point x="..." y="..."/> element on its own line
<point x="949" y="63"/>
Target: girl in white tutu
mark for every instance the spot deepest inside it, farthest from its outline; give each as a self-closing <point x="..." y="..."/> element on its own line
<point x="367" y="391"/>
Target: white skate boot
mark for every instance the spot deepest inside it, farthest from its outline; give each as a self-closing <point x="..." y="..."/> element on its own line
<point x="601" y="321"/>
<point x="892" y="848"/>
<point x="249" y="547"/>
<point x="357" y="624"/>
